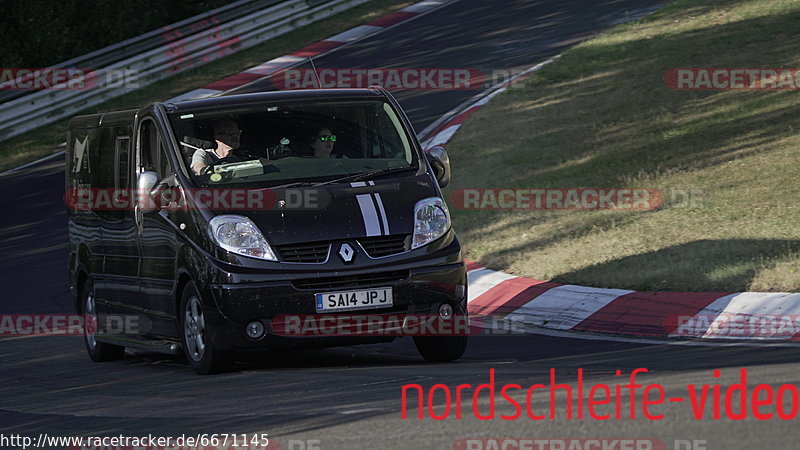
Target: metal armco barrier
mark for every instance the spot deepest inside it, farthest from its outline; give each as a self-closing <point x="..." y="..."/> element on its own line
<point x="43" y="107"/>
<point x="153" y="39"/>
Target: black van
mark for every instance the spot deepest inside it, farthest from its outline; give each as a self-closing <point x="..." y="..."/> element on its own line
<point x="203" y="225"/>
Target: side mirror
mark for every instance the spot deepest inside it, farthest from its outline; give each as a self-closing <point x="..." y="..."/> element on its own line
<point x="440" y="163"/>
<point x="145" y="200"/>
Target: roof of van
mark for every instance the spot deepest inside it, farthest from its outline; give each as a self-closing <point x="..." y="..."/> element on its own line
<point x="260" y="97"/>
<point x="116" y="118"/>
<point x="120" y="118"/>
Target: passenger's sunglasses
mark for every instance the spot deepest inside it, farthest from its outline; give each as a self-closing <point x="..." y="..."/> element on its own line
<point x="325" y="138"/>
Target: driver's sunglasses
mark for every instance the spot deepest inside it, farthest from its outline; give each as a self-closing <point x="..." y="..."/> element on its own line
<point x="230" y="133"/>
<point x="325" y="138"/>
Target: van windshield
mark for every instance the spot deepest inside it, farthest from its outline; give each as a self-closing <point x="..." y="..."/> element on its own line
<point x="285" y="142"/>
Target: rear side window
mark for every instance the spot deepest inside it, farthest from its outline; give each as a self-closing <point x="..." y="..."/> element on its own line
<point x="122" y="162"/>
<point x="101" y="156"/>
<point x="92" y="158"/>
<point x="80" y="164"/>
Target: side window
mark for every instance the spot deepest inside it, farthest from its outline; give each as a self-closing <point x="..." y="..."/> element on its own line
<point x="101" y="155"/>
<point x="164" y="167"/>
<point x="148" y="146"/>
<point x="395" y="140"/>
<point x="122" y="162"/>
<point x="153" y="155"/>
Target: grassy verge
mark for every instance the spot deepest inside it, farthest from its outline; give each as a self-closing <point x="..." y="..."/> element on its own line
<point x="41" y="142"/>
<point x="725" y="161"/>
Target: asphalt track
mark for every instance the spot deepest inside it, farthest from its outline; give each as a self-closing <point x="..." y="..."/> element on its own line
<point x="500" y="37"/>
<point x="350" y="397"/>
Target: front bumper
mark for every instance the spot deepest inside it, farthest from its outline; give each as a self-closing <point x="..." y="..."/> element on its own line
<point x="414" y="291"/>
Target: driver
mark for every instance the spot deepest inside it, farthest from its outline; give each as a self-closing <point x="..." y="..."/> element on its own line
<point x="226" y="135"/>
<point x="322" y="143"/>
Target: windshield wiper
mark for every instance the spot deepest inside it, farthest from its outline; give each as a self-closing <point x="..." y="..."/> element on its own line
<point x="365" y="175"/>
<point x="295" y="184"/>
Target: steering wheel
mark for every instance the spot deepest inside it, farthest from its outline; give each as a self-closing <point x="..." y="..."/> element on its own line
<point x="226" y="160"/>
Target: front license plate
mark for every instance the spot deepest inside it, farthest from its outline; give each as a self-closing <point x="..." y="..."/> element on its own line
<point x="352" y="300"/>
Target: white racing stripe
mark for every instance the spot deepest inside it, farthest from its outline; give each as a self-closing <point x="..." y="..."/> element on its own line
<point x="370" y="215"/>
<point x="383" y="213"/>
<point x="563" y="307"/>
<point x="371" y="205"/>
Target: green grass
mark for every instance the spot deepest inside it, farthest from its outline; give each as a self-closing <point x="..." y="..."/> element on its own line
<point x="42" y="141"/>
<point x="602" y="116"/>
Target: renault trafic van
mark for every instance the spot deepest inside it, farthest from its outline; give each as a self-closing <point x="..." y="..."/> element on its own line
<point x="213" y="223"/>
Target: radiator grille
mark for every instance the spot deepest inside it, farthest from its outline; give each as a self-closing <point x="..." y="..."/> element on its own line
<point x="309" y="253"/>
<point x="386" y="245"/>
<point x="352" y="281"/>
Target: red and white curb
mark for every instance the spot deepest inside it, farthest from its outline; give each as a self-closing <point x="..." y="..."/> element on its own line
<point x="546" y="306"/>
<point x="314" y="50"/>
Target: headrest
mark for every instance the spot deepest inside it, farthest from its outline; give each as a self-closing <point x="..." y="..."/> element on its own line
<point x="198" y="144"/>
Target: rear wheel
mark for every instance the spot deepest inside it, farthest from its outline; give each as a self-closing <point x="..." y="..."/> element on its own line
<point x="98" y="351"/>
<point x="203" y="357"/>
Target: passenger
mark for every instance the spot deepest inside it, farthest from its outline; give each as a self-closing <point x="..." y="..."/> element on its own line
<point x="227" y="136"/>
<point x="322" y="143"/>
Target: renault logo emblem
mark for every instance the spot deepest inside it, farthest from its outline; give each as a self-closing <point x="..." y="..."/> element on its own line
<point x="346" y="252"/>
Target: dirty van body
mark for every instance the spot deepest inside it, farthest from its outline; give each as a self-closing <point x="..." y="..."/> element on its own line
<point x="171" y="255"/>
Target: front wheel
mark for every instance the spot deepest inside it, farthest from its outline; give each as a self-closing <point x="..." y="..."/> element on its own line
<point x="98" y="351"/>
<point x="203" y="357"/>
<point x="443" y="348"/>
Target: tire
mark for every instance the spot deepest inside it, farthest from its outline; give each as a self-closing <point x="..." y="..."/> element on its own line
<point x="98" y="351"/>
<point x="442" y="348"/>
<point x="202" y="356"/>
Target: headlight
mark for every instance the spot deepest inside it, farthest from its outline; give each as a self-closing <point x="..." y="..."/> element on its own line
<point x="431" y="221"/>
<point x="240" y="235"/>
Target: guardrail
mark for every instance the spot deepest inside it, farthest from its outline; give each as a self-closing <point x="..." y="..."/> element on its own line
<point x="43" y="107"/>
<point x="153" y="39"/>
